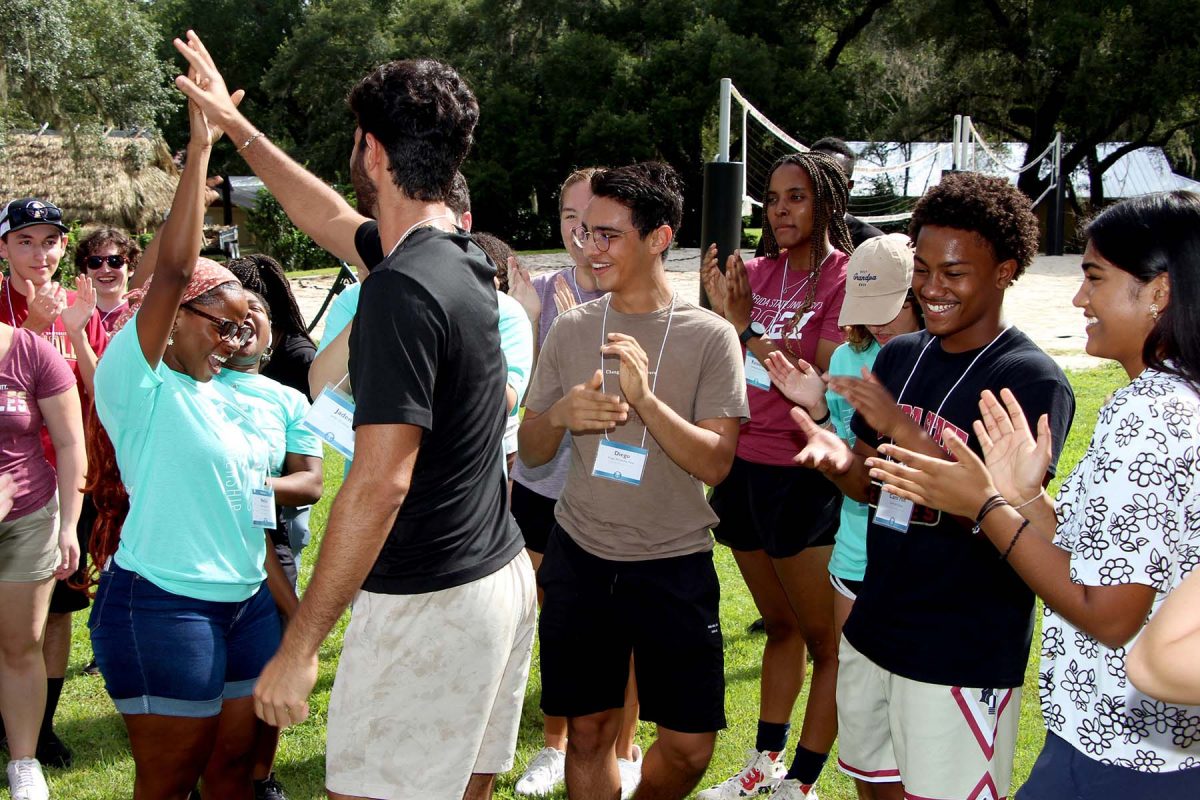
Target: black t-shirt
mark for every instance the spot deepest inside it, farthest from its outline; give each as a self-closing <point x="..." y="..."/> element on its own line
<point x="861" y="231"/>
<point x="290" y="361"/>
<point x="423" y="351"/>
<point x="937" y="604"/>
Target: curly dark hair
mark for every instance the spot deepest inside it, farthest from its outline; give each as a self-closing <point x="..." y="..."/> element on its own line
<point x="126" y="246"/>
<point x="498" y="251"/>
<point x="990" y="207"/>
<point x="651" y="190"/>
<point x="424" y="115"/>
<point x="264" y="275"/>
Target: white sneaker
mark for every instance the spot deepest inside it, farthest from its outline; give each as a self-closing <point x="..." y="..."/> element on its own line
<point x="793" y="790"/>
<point x="545" y="773"/>
<point x="757" y="779"/>
<point x="26" y="781"/>
<point x="631" y="773"/>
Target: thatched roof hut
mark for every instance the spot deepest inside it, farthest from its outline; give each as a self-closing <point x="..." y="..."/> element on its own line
<point x="119" y="179"/>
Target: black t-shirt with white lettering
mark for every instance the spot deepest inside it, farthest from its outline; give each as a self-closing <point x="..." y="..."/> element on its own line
<point x="937" y="604"/>
<point x="423" y="351"/>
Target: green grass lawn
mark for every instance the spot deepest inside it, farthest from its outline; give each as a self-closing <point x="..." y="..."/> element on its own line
<point x="103" y="768"/>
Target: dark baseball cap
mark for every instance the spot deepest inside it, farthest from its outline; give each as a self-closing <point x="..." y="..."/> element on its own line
<point x="30" y="211"/>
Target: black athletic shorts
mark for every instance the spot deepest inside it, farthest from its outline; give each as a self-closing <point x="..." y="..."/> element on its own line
<point x="781" y="510"/>
<point x="665" y="612"/>
<point x="534" y="514"/>
<point x="65" y="599"/>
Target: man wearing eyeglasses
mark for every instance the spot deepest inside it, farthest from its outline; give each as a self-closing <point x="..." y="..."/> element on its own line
<point x="651" y="388"/>
<point x="33" y="239"/>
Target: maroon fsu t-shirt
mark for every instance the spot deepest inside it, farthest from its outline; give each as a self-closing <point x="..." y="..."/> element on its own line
<point x="30" y="371"/>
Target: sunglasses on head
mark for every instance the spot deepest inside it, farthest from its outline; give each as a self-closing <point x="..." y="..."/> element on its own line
<point x="227" y="329"/>
<point x="96" y="262"/>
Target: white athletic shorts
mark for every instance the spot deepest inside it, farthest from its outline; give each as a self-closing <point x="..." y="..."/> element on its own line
<point x="943" y="742"/>
<point x="429" y="687"/>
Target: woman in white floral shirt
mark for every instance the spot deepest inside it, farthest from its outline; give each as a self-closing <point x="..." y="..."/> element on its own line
<point x="1126" y="525"/>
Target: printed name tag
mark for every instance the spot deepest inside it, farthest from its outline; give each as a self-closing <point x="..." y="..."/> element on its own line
<point x="893" y="512"/>
<point x="620" y="462"/>
<point x="332" y="418"/>
<point x="756" y="374"/>
<point x="262" y="507"/>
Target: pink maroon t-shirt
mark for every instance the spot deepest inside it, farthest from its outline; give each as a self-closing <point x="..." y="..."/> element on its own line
<point x="770" y="436"/>
<point x="31" y="370"/>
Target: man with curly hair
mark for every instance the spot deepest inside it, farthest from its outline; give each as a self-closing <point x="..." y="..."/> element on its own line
<point x="934" y="652"/>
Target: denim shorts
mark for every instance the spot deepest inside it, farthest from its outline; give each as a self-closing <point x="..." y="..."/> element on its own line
<point x="163" y="653"/>
<point x="1063" y="773"/>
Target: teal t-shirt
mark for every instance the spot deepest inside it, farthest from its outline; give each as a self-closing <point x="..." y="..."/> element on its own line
<point x="341" y="311"/>
<point x="516" y="337"/>
<point x="278" y="411"/>
<point x="849" y="559"/>
<point x="189" y="457"/>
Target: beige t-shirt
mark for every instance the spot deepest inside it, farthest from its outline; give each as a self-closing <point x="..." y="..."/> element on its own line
<point x="701" y="378"/>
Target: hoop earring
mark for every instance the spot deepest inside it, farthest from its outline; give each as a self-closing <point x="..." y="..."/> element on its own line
<point x="265" y="357"/>
<point x="1154" y="311"/>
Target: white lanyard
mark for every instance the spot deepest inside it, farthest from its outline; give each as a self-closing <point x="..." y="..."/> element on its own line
<point x="657" y="365"/>
<point x="799" y="287"/>
<point x="917" y="363"/>
<point x="409" y="232"/>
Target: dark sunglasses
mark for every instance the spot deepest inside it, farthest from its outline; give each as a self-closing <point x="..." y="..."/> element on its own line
<point x="227" y="329"/>
<point x="96" y="262"/>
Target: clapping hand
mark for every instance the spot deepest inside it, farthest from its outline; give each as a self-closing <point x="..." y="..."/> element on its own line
<point x="800" y="382"/>
<point x="564" y="298"/>
<point x="1016" y="461"/>
<point x="713" y="279"/>
<point x="520" y="288"/>
<point x="46" y="303"/>
<point x="824" y="450"/>
<point x="587" y="409"/>
<point x="76" y="315"/>
<point x="872" y="401"/>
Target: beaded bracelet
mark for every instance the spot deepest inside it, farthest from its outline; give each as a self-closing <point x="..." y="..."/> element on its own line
<point x="1013" y="543"/>
<point x="990" y="505"/>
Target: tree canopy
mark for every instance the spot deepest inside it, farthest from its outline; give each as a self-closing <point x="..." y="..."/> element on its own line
<point x="565" y="84"/>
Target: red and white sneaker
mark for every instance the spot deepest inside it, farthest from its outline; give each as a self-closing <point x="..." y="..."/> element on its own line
<point x="758" y="778"/>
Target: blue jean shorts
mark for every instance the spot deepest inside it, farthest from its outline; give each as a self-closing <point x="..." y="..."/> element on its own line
<point x="163" y="653"/>
<point x="1063" y="773"/>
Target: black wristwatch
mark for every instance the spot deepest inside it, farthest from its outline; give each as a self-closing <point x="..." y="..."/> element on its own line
<point x="753" y="330"/>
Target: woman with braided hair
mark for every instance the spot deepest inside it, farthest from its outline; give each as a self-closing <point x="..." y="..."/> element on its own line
<point x="291" y="350"/>
<point x="779" y="518"/>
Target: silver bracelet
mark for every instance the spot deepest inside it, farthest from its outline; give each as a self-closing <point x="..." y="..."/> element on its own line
<point x="250" y="141"/>
<point x="1037" y="496"/>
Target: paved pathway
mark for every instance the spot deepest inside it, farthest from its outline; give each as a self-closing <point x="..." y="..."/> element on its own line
<point x="1039" y="303"/>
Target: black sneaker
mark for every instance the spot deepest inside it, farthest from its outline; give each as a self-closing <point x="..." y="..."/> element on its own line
<point x="52" y="752"/>
<point x="268" y="789"/>
<point x="758" y="626"/>
<point x="91" y="668"/>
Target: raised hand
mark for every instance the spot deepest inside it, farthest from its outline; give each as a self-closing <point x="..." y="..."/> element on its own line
<point x="1016" y="461"/>
<point x="800" y="382"/>
<point x="76" y="315"/>
<point x="824" y="450"/>
<point x="586" y="409"/>
<point x="873" y="401"/>
<point x="564" y="297"/>
<point x="520" y="288"/>
<point x="45" y="303"/>
<point x="739" y="300"/>
<point x="635" y="381"/>
<point x="958" y="487"/>
<point x="211" y="107"/>
<point x="713" y="279"/>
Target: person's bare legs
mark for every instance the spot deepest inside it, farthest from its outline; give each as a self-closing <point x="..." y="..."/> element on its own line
<point x="674" y="764"/>
<point x="591" y="756"/>
<point x="22" y="665"/>
<point x="783" y="661"/>
<point x="805" y="578"/>
<point x="56" y="649"/>
<point x="480" y="787"/>
<point x="266" y="742"/>
<point x="231" y="762"/>
<point x="629" y="717"/>
<point x="169" y="753"/>
<point x="879" y="791"/>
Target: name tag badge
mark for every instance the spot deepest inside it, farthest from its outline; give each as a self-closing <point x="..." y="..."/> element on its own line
<point x="262" y="507"/>
<point x="893" y="512"/>
<point x="332" y="418"/>
<point x="756" y="374"/>
<point x="619" y="462"/>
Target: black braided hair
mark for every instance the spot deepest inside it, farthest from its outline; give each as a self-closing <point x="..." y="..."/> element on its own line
<point x="263" y="274"/>
<point x="832" y="196"/>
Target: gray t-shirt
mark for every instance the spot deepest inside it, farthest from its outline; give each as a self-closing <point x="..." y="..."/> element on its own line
<point x="701" y="378"/>
<point x="549" y="479"/>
